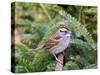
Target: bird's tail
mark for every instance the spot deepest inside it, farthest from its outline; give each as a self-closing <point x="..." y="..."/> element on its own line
<point x="37" y="49"/>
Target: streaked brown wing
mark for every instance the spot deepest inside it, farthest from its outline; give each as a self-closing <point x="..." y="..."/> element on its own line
<point x="53" y="40"/>
<point x="48" y="45"/>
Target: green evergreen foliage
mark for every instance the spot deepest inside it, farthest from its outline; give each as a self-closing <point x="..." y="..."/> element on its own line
<point x="70" y="65"/>
<point x="34" y="27"/>
<point x="41" y="60"/>
<point x="51" y="66"/>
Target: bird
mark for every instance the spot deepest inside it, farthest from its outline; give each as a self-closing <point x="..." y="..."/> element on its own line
<point x="58" y="41"/>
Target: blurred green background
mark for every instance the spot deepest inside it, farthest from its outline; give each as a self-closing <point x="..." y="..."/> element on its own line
<point x="35" y="22"/>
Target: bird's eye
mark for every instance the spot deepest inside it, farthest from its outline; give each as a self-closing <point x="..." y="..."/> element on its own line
<point x="63" y="31"/>
<point x="60" y="30"/>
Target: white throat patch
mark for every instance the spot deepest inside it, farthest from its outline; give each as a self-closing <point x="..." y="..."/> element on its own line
<point x="67" y="34"/>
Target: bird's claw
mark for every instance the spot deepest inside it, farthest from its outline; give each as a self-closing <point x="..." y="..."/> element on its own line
<point x="59" y="61"/>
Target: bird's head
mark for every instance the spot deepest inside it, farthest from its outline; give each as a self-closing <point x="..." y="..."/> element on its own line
<point x="64" y="30"/>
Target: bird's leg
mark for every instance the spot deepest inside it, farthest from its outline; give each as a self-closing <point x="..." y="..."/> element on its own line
<point x="52" y="52"/>
<point x="57" y="59"/>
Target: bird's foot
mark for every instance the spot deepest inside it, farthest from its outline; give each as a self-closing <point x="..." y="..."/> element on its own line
<point x="59" y="61"/>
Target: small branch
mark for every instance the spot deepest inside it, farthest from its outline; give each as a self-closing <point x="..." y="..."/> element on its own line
<point x="45" y="11"/>
<point x="59" y="66"/>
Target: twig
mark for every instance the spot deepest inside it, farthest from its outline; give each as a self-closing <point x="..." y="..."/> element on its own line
<point x="45" y="11"/>
<point x="59" y="66"/>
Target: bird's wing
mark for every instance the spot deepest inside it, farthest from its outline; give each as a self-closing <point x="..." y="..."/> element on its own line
<point x="52" y="41"/>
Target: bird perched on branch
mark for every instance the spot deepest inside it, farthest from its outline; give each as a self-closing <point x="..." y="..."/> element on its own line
<point x="58" y="42"/>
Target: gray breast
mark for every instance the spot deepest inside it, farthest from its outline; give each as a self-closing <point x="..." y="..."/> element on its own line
<point x="63" y="44"/>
